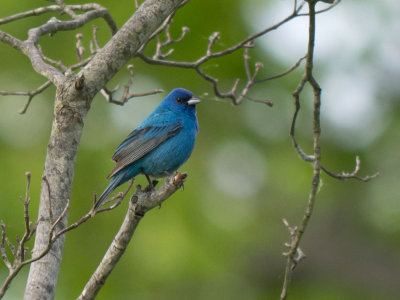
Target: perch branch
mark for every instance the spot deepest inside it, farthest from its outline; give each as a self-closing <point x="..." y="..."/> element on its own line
<point x="140" y="203"/>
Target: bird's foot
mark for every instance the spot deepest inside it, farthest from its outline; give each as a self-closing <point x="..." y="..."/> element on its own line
<point x="151" y="186"/>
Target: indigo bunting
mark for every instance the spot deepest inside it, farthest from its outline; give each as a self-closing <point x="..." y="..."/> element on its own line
<point x="160" y="144"/>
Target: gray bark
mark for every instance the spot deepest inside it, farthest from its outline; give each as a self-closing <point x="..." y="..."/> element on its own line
<point x="70" y="109"/>
<point x="59" y="171"/>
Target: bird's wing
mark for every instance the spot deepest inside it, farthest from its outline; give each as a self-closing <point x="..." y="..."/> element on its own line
<point x="140" y="142"/>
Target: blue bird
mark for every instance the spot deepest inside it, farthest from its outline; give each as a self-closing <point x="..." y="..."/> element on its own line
<point x="160" y="144"/>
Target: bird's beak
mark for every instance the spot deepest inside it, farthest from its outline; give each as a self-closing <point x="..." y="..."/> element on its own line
<point x="193" y="101"/>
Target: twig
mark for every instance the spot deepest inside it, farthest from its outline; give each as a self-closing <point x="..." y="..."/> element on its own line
<point x="291" y="69"/>
<point x="25" y="202"/>
<point x="352" y="175"/>
<point x="44" y="178"/>
<point x="3" y="247"/>
<point x="92" y="212"/>
<point x="167" y="21"/>
<point x="169" y="40"/>
<point x="332" y="2"/>
<point x="30" y="94"/>
<point x="299" y="253"/>
<point x="94" y="43"/>
<point x="80" y="50"/>
<point x="127" y="95"/>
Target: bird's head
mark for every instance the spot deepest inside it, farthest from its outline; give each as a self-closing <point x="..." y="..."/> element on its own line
<point x="181" y="100"/>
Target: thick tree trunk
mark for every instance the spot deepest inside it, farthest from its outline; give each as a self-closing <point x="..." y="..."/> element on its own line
<point x="65" y="136"/>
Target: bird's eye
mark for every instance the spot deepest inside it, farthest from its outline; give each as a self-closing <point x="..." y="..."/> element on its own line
<point x="179" y="99"/>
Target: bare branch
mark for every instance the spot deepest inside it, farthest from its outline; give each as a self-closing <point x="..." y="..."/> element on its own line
<point x="94" y="43"/>
<point x="25" y="202"/>
<point x="352" y="175"/>
<point x="92" y="213"/>
<point x="296" y="235"/>
<point x="166" y="22"/>
<point x="169" y="40"/>
<point x="3" y="247"/>
<point x="159" y="58"/>
<point x="30" y="94"/>
<point x="80" y="50"/>
<point x="52" y="27"/>
<point x="296" y="96"/>
<point x="291" y="69"/>
<point x="62" y="8"/>
<point x="29" y="47"/>
<point x="299" y="253"/>
<point x="11" y="41"/>
<point x="44" y="86"/>
<point x="295" y="254"/>
<point x="126" y="94"/>
<point x="140" y="203"/>
<point x="44" y="178"/>
<point x="333" y="4"/>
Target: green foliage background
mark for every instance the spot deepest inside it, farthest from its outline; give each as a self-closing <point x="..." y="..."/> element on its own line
<point x="222" y="237"/>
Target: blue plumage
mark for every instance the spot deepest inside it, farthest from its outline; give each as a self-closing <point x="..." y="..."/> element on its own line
<point x="160" y="144"/>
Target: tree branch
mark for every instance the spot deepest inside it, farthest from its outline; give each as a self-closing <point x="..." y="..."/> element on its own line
<point x="297" y="234"/>
<point x="28" y="47"/>
<point x="127" y="95"/>
<point x="295" y="254"/>
<point x="159" y="58"/>
<point x="140" y="203"/>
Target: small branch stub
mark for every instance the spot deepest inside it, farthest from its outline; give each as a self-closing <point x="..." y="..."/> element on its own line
<point x="80" y="82"/>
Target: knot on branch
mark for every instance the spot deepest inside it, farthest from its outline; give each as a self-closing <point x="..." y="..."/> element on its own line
<point x="294" y="253"/>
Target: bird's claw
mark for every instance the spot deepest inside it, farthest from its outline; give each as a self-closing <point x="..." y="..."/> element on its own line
<point x="151" y="186"/>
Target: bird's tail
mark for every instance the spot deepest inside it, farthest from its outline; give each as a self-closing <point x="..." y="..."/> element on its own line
<point x="115" y="181"/>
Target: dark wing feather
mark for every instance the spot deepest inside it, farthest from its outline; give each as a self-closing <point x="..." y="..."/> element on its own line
<point x="133" y="138"/>
<point x="139" y="143"/>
